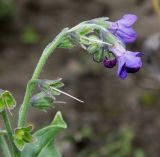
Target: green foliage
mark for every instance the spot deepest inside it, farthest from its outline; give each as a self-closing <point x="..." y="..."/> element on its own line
<point x="6" y="8"/>
<point x="84" y="133"/>
<point x="44" y="145"/>
<point x="6" y="100"/>
<point x="139" y="153"/>
<point x="122" y="145"/>
<point x="30" y="36"/>
<point x="22" y="136"/>
<point x="147" y="99"/>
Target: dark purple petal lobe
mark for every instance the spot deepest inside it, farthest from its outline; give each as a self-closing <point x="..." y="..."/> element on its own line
<point x="123" y="73"/>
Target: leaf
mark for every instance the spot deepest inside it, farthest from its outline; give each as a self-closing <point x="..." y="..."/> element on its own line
<point x="45" y="139"/>
<point x="49" y="151"/>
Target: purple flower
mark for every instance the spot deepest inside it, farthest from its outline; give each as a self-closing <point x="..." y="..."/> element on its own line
<point x="109" y="63"/>
<point x="122" y="28"/>
<point x="128" y="62"/>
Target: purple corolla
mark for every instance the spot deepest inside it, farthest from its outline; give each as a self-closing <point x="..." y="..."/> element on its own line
<point x="122" y="28"/>
<point x="128" y="62"/>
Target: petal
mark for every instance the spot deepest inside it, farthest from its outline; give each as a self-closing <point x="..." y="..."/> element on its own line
<point x="113" y="27"/>
<point x="123" y="73"/>
<point x="139" y="54"/>
<point x="128" y="20"/>
<point x="121" y="62"/>
<point x="132" y="70"/>
<point x="126" y="34"/>
<point x="126" y="39"/>
<point x="128" y="31"/>
<point x="118" y="49"/>
<point x="132" y="61"/>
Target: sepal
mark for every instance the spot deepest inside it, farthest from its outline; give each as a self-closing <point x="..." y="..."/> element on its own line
<point x="102" y="21"/>
<point x="46" y="85"/>
<point x="22" y="136"/>
<point x="68" y="42"/>
<point x="6" y="100"/>
<point x="42" y="101"/>
<point x="46" y="98"/>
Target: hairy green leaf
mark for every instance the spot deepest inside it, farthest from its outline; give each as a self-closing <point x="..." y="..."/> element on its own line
<point x="44" y="144"/>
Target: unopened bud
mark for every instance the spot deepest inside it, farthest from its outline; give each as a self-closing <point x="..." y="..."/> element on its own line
<point x="109" y="62"/>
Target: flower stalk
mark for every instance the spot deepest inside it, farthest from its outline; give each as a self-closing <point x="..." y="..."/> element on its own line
<point x="4" y="147"/>
<point x="31" y="85"/>
<point x="6" y="120"/>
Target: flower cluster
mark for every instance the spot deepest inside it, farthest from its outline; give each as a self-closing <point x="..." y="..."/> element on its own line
<point x="128" y="62"/>
<point x="106" y="40"/>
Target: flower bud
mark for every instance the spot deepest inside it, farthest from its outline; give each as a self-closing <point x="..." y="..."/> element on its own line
<point x="92" y="49"/>
<point x="42" y="101"/>
<point x="109" y="62"/>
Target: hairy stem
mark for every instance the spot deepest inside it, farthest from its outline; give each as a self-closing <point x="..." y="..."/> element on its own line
<point x="31" y="86"/>
<point x="4" y="147"/>
<point x="10" y="133"/>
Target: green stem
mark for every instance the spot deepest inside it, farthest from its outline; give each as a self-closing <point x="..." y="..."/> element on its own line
<point x="3" y="132"/>
<point x="10" y="133"/>
<point x="31" y="86"/>
<point x="4" y="147"/>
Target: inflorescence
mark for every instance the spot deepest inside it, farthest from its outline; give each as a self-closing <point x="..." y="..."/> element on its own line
<point x="107" y="40"/>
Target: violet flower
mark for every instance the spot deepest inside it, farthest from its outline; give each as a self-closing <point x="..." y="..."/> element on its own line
<point x="128" y="62"/>
<point x="122" y="28"/>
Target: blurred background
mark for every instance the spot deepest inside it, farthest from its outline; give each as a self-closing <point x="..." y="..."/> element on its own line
<point x="119" y="118"/>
